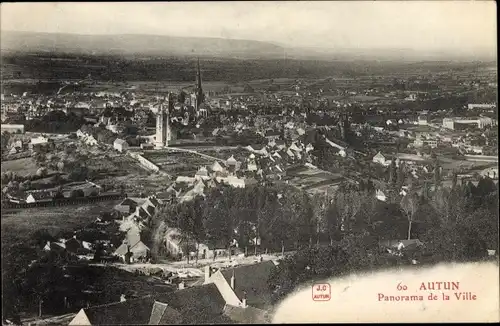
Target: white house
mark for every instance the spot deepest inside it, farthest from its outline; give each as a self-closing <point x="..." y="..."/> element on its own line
<point x="380" y="195"/>
<point x="39" y="140"/>
<point x="380" y="159"/>
<point x="90" y="140"/>
<point x="120" y="145"/>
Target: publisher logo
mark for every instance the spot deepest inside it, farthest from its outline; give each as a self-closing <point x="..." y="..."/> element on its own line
<point x="321" y="292"/>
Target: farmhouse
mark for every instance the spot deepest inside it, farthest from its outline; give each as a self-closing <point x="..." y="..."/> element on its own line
<point x="120" y="145"/>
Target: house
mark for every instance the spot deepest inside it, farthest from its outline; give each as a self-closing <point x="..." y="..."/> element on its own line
<point x="217" y="169"/>
<point x="491" y="172"/>
<point x="39" y="196"/>
<point x="173" y="242"/>
<point x="39" y="140"/>
<point x="232" y="181"/>
<point x="132" y="253"/>
<point x="422" y="120"/>
<point x="13" y="128"/>
<point x="54" y="246"/>
<point x="120" y="145"/>
<point x="380" y="195"/>
<point x="184" y="179"/>
<point x="147" y="146"/>
<point x="202" y="173"/>
<point x="272" y="135"/>
<point x="232" y="164"/>
<point x="127" y="206"/>
<point x="90" y="140"/>
<point x="195" y="305"/>
<point x="380" y="159"/>
<point x="401" y="244"/>
<point x="136" y="311"/>
<point x="18" y="144"/>
<point x="243" y="287"/>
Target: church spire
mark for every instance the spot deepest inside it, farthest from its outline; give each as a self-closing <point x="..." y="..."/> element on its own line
<point x="199" y="90"/>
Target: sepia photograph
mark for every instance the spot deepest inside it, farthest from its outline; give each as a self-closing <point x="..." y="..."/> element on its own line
<point x="249" y="162"/>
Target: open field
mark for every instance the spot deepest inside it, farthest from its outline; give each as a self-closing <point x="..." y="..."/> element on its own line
<point x="177" y="162"/>
<point x="135" y="184"/>
<point x="116" y="165"/>
<point x="462" y="165"/>
<point x="23" y="222"/>
<point x="23" y="167"/>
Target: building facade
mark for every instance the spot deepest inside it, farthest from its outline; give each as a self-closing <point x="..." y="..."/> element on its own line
<point x="163" y="132"/>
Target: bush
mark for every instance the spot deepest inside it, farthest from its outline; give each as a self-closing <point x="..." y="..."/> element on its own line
<point x="41" y="172"/>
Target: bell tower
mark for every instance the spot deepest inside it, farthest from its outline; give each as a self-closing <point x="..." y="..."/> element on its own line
<point x="163" y="132"/>
<point x="198" y="88"/>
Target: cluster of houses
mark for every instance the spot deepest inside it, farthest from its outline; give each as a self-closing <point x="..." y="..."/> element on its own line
<point x="120" y="145"/>
<point x="135" y="216"/>
<point x="235" y="295"/>
<point x="269" y="161"/>
<point x="86" y="138"/>
<point x="71" y="190"/>
<point x="131" y="216"/>
<point x="82" y="249"/>
<point x="30" y="145"/>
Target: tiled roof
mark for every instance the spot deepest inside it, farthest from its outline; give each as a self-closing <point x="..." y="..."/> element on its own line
<point x="154" y="201"/>
<point x="134" y="311"/>
<point x="127" y="202"/>
<point x="197" y="305"/>
<point x="248" y="315"/>
<point x="163" y="314"/>
<point x="252" y="281"/>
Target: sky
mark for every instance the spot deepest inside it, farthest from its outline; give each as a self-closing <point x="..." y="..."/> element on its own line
<point x="417" y="25"/>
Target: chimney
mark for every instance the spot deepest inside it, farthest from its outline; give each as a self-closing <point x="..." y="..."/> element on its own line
<point x="181" y="285"/>
<point x="244" y="300"/>
<point x="122" y="298"/>
<point x="232" y="280"/>
<point x="208" y="273"/>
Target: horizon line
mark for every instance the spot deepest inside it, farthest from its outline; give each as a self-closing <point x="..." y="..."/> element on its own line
<point x="275" y="43"/>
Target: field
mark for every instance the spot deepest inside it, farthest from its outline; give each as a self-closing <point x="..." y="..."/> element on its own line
<point x="23" y="167"/>
<point x="177" y="163"/>
<point x="462" y="165"/>
<point x="21" y="223"/>
<point x="136" y="184"/>
<point x="116" y="165"/>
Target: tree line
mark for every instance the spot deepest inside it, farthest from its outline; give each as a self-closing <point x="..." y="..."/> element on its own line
<point x="456" y="225"/>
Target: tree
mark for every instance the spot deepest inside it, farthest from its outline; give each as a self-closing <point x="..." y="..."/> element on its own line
<point x="41" y="172"/>
<point x="79" y="173"/>
<point x="441" y="203"/>
<point x="409" y="205"/>
<point x="43" y="279"/>
<point x="454" y="180"/>
<point x="60" y="166"/>
<point x="437" y="174"/>
<point x="400" y="179"/>
<point x="348" y="205"/>
<point x="26" y="185"/>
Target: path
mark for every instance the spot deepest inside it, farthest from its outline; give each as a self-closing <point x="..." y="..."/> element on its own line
<point x="194" y="152"/>
<point x="194" y="269"/>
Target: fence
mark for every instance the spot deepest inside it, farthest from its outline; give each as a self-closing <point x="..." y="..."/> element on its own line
<point x="66" y="201"/>
<point x="147" y="164"/>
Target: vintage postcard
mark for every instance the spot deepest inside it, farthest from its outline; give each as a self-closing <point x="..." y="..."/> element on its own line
<point x="249" y="162"/>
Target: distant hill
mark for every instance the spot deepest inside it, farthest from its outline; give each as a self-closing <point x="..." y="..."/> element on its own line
<point x="159" y="45"/>
<point x="131" y="44"/>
